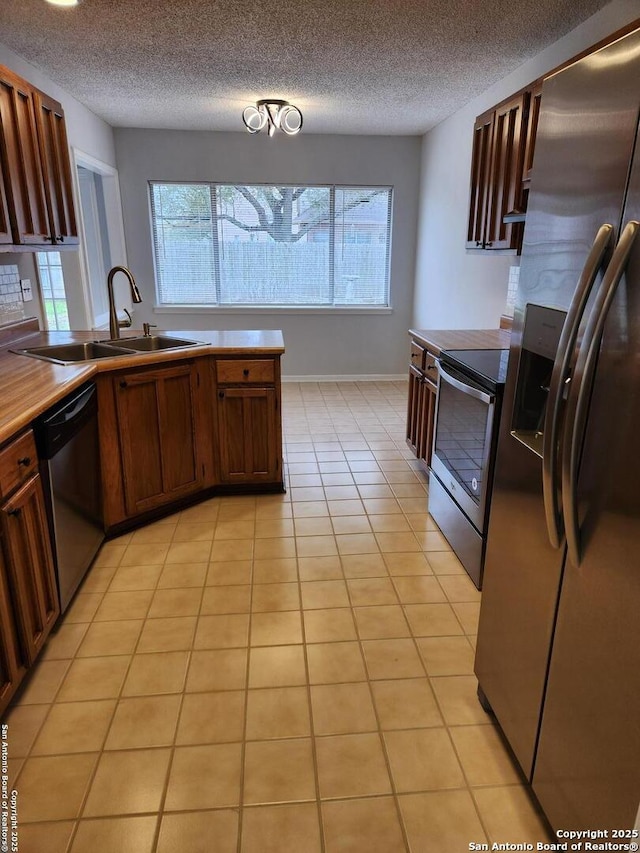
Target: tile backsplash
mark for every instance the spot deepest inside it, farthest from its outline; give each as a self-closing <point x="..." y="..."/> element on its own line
<point x="11" y="304"/>
<point x="514" y="278"/>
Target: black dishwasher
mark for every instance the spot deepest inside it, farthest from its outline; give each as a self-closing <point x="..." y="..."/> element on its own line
<point x="67" y="441"/>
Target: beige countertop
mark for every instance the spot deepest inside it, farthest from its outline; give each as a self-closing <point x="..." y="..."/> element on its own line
<point x="436" y="340"/>
<point x="29" y="386"/>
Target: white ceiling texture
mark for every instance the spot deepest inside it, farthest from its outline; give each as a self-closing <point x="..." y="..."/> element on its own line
<point x="352" y="66"/>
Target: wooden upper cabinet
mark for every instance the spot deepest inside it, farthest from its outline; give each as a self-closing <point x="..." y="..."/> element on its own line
<point x="480" y="176"/>
<point x="503" y="145"/>
<point x="505" y="193"/>
<point x="36" y="191"/>
<point x="6" y="234"/>
<point x="21" y="162"/>
<point x="158" y="426"/>
<point x="535" y="100"/>
<point x="56" y="168"/>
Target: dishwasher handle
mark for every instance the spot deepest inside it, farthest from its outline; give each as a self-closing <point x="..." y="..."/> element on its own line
<point x="60" y="425"/>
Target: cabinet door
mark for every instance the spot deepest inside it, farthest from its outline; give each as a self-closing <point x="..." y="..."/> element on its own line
<point x="535" y="101"/>
<point x="420" y="414"/>
<point x="156" y="411"/>
<point x="21" y="160"/>
<point x="6" y="234"/>
<point x="429" y="391"/>
<point x="480" y="177"/>
<point x="56" y="169"/>
<point x="30" y="565"/>
<point x="11" y="668"/>
<point x="247" y="423"/>
<point x="414" y="406"/>
<point x="505" y="193"/>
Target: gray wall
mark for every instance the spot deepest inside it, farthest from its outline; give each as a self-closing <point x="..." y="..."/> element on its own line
<point x="456" y="288"/>
<point x="318" y="343"/>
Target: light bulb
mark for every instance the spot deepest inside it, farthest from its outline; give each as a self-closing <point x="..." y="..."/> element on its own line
<point x="63" y="2"/>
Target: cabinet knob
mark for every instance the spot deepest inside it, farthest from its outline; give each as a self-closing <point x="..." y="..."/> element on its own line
<point x="15" y="512"/>
<point x="221" y="395"/>
<point x="431" y="367"/>
<point x="488" y="244"/>
<point x="478" y="242"/>
<point x="60" y="238"/>
<point x="25" y="460"/>
<point x="123" y="384"/>
<point x="245" y="372"/>
<point x="48" y="239"/>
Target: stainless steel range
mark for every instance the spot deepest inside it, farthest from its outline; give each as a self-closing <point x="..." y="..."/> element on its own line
<point x="470" y="385"/>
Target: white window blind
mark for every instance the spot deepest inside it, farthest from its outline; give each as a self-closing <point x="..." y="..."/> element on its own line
<point x="223" y="244"/>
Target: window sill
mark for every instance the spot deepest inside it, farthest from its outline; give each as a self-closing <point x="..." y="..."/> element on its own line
<point x="262" y="309"/>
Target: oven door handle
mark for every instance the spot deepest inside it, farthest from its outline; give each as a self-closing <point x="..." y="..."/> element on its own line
<point x="445" y="376"/>
<point x="559" y="377"/>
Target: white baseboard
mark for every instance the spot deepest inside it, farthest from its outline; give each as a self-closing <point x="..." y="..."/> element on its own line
<point x="350" y="377"/>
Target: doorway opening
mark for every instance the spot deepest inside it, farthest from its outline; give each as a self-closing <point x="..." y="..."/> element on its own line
<point x="102" y="234"/>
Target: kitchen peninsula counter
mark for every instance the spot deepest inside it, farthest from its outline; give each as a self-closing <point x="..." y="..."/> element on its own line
<point x="29" y="386"/>
<point x="436" y="340"/>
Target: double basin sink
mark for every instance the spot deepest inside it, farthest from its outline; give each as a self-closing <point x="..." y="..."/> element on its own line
<point x="74" y="352"/>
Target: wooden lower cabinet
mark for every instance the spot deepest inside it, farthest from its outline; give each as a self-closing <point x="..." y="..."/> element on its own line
<point x="420" y="414"/>
<point x="421" y="403"/>
<point x="247" y="427"/>
<point x="172" y="432"/>
<point x="11" y="667"/>
<point x="30" y="566"/>
<point x="159" y="435"/>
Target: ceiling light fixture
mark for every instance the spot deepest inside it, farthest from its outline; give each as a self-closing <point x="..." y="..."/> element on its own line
<point x="274" y="115"/>
<point x="63" y="2"/>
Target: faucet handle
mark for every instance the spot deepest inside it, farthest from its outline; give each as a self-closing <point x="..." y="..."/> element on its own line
<point x="126" y="324"/>
<point x="146" y="329"/>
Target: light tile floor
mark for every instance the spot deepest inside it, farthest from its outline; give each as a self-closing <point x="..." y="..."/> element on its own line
<point x="274" y="674"/>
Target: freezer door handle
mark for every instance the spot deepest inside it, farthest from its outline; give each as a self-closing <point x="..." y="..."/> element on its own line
<point x="559" y="377"/>
<point x="578" y="402"/>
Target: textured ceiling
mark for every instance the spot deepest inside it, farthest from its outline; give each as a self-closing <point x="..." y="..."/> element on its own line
<point x="352" y="66"/>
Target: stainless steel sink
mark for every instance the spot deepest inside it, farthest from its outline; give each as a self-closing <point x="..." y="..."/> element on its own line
<point x="72" y="353"/>
<point x="152" y="343"/>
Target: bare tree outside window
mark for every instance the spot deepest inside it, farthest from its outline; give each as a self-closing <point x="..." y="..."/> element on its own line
<point x="271" y="245"/>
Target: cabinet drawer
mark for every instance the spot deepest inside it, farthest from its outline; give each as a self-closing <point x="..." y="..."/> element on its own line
<point x="17" y="462"/>
<point x="244" y="371"/>
<point x="430" y="369"/>
<point x="418" y="354"/>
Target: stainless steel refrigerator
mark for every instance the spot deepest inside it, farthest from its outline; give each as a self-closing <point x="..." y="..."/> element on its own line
<point x="558" y="655"/>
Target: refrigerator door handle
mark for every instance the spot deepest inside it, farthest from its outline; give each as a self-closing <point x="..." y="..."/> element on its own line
<point x="579" y="396"/>
<point x="559" y="376"/>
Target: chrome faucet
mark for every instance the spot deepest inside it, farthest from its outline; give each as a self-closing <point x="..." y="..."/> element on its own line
<point x="114" y="324"/>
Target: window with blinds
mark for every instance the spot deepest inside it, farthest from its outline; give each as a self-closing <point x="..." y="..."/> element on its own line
<point x="223" y="244"/>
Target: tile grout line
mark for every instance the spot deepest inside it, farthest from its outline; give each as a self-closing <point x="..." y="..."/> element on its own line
<point x="243" y="748"/>
<point x="94" y="772"/>
<point x="172" y="748"/>
<point x="380" y="733"/>
<point x="314" y="750"/>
